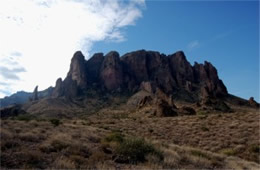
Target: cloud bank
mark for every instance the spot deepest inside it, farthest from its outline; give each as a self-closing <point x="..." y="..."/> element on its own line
<point x="39" y="37"/>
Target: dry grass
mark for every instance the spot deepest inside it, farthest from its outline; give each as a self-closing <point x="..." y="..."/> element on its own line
<point x="217" y="141"/>
<point x="237" y="131"/>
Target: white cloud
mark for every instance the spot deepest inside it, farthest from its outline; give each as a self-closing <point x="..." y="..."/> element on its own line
<point x="192" y="45"/>
<point x="39" y="37"/>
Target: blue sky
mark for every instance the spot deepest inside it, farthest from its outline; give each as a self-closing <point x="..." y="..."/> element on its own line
<point x="222" y="32"/>
<point x="39" y="37"/>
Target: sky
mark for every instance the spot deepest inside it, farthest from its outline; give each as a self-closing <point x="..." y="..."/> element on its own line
<point x="39" y="37"/>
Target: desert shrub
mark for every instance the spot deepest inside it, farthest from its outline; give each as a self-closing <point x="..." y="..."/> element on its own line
<point x="25" y="117"/>
<point x="150" y="130"/>
<point x="222" y="106"/>
<point x="55" y="146"/>
<point x="114" y="137"/>
<point x="77" y="149"/>
<point x="63" y="163"/>
<point x="228" y="151"/>
<point x="135" y="150"/>
<point x="9" y="144"/>
<point x="199" y="154"/>
<point x="55" y="122"/>
<point x="58" y="145"/>
<point x="255" y="148"/>
<point x="29" y="137"/>
<point x="25" y="159"/>
<point x="96" y="158"/>
<point x="120" y="116"/>
<point x="200" y="112"/>
<point x="204" y="128"/>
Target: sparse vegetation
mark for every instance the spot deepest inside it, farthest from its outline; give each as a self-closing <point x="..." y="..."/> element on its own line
<point x="56" y="122"/>
<point x="255" y="148"/>
<point x="228" y="151"/>
<point x="134" y="150"/>
<point x="36" y="144"/>
<point x="25" y="117"/>
<point x="114" y="137"/>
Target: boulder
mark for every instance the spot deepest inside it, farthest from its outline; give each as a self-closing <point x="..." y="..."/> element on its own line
<point x="147" y="100"/>
<point x="163" y="109"/>
<point x="253" y="103"/>
<point x="185" y="110"/>
<point x="148" y="86"/>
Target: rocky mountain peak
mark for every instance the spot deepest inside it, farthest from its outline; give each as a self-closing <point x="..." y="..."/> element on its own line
<point x="35" y="94"/>
<point x="78" y="69"/>
<point x="147" y="70"/>
<point x="58" y="90"/>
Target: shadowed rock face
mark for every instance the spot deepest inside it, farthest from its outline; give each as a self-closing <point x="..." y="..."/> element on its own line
<point x="35" y="94"/>
<point x="93" y="66"/>
<point x="181" y="69"/>
<point x="137" y="70"/>
<point x="111" y="72"/>
<point x="58" y="90"/>
<point x="207" y="77"/>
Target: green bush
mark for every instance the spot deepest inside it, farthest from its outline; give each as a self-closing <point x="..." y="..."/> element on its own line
<point x="55" y="122"/>
<point x="204" y="128"/>
<point x="115" y="137"/>
<point x="135" y="150"/>
<point x="25" y="117"/>
<point x="255" y="148"/>
<point x="202" y="113"/>
<point x="229" y="152"/>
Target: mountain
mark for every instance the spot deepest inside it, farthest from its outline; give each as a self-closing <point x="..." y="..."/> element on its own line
<point x="17" y="98"/>
<point x="111" y="73"/>
<point x="137" y="80"/>
<point x="142" y="110"/>
<point x="22" y="97"/>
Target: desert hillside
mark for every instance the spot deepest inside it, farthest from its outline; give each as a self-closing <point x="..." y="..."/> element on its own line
<point x="142" y="110"/>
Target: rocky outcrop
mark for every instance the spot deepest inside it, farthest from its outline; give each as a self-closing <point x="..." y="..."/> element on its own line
<point x="77" y="70"/>
<point x="186" y="110"/>
<point x="148" y="86"/>
<point x="215" y="104"/>
<point x="206" y="77"/>
<point x="163" y="109"/>
<point x="145" y="70"/>
<point x="253" y="103"/>
<point x="147" y="100"/>
<point x="58" y="90"/>
<point x="35" y="94"/>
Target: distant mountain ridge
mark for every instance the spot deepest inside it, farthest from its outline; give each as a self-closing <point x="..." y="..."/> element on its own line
<point x="22" y="97"/>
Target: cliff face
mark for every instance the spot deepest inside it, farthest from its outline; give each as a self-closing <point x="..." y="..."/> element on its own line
<point x="129" y="72"/>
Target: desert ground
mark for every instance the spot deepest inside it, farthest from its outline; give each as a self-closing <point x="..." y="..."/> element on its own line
<point x="115" y="139"/>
